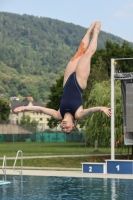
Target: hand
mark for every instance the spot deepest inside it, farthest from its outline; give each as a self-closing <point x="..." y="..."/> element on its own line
<point x="19" y="109"/>
<point x="106" y="110"/>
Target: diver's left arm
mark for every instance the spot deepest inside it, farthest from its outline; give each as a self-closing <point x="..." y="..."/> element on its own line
<point x="93" y="110"/>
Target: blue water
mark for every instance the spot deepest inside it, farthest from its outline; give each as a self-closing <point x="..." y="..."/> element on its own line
<point x="66" y="188"/>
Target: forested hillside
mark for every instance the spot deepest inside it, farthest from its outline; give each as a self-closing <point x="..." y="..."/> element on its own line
<point x="34" y="52"/>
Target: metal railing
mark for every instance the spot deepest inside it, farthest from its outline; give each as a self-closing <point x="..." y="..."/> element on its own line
<point x="20" y="171"/>
<point x="4" y="167"/>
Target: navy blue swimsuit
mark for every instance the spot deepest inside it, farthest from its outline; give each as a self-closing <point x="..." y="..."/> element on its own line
<point x="72" y="96"/>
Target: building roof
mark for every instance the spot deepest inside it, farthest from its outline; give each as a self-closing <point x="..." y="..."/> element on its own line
<point x="15" y="104"/>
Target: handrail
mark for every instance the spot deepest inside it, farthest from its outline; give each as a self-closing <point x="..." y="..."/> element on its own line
<point x="4" y="166"/>
<point x="20" y="171"/>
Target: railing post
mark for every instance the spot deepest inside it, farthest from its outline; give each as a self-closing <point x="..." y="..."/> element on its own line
<point x="112" y="110"/>
<point x="4" y="166"/>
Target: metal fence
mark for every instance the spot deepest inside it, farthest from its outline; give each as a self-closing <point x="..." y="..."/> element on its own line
<point x="15" y="137"/>
<point x="19" y="133"/>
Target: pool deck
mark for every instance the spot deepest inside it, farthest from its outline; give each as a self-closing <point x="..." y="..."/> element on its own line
<point x="66" y="173"/>
<point x="61" y="172"/>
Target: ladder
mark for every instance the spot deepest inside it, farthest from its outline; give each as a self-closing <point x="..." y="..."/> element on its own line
<point x="4" y="181"/>
<point x="20" y="171"/>
<point x="4" y="167"/>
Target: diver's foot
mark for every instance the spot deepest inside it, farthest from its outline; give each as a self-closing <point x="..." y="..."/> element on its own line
<point x="97" y="27"/>
<point x="90" y="30"/>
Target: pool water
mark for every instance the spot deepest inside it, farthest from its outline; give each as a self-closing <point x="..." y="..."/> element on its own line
<point x="66" y="188"/>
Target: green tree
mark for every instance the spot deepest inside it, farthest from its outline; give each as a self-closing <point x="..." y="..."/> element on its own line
<point x="97" y="126"/>
<point x="4" y="109"/>
<point x="26" y="121"/>
<point x="115" y="50"/>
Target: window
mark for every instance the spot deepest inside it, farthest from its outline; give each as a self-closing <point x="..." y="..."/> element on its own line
<point x="40" y="119"/>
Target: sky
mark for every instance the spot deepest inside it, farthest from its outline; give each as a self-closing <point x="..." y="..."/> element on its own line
<point x="116" y="15"/>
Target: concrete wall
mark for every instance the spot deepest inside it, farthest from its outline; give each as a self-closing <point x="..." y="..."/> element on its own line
<point x="13" y="129"/>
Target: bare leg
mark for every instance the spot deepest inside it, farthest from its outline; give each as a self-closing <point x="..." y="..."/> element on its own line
<point x="71" y="67"/>
<point x="83" y="66"/>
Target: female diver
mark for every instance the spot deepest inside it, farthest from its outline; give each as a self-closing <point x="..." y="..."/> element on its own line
<point x="75" y="81"/>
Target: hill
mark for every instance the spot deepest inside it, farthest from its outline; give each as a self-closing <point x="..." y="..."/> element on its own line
<point x="34" y="52"/>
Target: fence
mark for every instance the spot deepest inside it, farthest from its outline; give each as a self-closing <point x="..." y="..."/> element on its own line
<point x="40" y="142"/>
<point x="41" y="137"/>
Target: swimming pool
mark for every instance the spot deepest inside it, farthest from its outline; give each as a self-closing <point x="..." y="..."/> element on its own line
<point x="66" y="188"/>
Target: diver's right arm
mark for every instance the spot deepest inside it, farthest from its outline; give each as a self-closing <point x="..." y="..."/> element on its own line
<point x="53" y="113"/>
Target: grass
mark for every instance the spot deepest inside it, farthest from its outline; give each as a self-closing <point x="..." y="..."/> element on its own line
<point x="64" y="162"/>
<point x="67" y="148"/>
<point x="41" y="148"/>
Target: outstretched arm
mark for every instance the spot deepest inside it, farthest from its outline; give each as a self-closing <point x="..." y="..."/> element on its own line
<point x="53" y="113"/>
<point x="92" y="110"/>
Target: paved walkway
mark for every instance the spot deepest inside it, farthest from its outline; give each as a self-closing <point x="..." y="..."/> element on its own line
<point x="68" y="174"/>
<point x="56" y="156"/>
